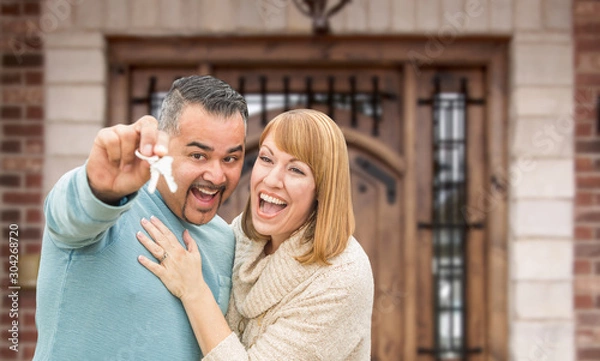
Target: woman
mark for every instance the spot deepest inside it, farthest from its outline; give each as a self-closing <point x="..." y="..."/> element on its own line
<point x="302" y="285"/>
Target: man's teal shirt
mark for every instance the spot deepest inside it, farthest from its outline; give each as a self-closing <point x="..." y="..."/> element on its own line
<point x="95" y="301"/>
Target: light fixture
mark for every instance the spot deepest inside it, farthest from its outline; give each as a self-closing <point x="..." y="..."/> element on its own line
<point x="320" y="13"/>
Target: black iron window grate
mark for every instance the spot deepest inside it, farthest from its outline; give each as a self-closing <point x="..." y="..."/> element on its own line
<point x="357" y="102"/>
<point x="448" y="226"/>
<point x="448" y="233"/>
<point x="363" y="103"/>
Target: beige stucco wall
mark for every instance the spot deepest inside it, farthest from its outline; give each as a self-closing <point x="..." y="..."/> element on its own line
<point x="540" y="113"/>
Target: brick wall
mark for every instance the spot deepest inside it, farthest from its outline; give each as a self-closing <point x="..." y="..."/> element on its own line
<point x="21" y="161"/>
<point x="587" y="207"/>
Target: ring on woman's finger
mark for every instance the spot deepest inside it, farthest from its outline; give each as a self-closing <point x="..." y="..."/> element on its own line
<point x="164" y="257"/>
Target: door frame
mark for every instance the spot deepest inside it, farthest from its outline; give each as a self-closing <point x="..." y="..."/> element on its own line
<point x="406" y="53"/>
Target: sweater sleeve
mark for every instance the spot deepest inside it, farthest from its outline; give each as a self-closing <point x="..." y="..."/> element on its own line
<point x="74" y="216"/>
<point x="330" y="320"/>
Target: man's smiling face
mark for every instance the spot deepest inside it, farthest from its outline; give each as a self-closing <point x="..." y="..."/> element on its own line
<point x="208" y="155"/>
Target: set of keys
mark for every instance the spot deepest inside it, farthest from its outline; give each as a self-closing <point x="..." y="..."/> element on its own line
<point x="158" y="166"/>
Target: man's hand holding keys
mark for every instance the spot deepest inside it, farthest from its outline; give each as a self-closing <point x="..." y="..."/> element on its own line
<point x="113" y="169"/>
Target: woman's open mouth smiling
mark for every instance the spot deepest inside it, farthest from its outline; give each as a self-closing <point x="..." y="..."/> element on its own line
<point x="270" y="205"/>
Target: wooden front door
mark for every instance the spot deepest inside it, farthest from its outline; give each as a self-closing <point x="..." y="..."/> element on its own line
<point x="427" y="154"/>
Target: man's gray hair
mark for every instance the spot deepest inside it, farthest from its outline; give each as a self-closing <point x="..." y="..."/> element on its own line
<point x="214" y="95"/>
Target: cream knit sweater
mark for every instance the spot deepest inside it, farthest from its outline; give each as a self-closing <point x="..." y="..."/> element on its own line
<point x="281" y="310"/>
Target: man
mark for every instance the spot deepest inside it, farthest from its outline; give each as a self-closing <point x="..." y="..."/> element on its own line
<point x="94" y="300"/>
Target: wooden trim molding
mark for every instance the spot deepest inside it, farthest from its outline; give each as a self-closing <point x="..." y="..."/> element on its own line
<point x="307" y="50"/>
